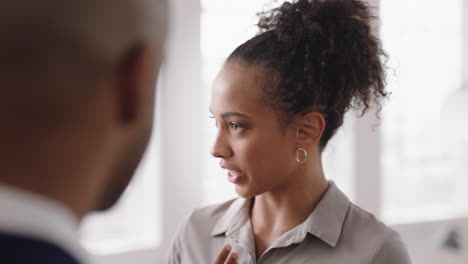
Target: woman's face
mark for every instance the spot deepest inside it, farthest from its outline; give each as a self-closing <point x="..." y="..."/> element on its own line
<point x="255" y="149"/>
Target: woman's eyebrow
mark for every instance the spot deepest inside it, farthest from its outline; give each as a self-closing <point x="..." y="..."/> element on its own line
<point x="229" y="114"/>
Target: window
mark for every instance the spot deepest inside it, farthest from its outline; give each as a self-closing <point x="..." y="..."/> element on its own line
<point x="421" y="178"/>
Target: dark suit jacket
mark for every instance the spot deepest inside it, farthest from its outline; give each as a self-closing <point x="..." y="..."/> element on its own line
<point x="22" y="250"/>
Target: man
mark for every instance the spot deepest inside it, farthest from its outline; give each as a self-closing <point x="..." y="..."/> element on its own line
<point x="77" y="82"/>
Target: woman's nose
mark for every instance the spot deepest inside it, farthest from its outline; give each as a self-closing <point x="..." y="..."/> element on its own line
<point x="221" y="148"/>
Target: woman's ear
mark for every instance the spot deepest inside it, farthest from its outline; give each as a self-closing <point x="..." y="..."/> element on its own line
<point x="310" y="129"/>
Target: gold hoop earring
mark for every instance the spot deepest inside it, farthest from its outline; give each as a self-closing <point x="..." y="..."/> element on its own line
<point x="298" y="159"/>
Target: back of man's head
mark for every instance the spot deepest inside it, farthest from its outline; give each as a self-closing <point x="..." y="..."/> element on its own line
<point x="77" y="85"/>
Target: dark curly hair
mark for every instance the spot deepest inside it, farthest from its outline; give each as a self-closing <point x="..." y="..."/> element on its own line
<point x="321" y="54"/>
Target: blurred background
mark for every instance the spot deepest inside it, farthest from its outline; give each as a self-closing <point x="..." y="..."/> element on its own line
<point x="410" y="168"/>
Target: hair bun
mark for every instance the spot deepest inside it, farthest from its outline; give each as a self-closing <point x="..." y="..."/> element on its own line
<point x="301" y="18"/>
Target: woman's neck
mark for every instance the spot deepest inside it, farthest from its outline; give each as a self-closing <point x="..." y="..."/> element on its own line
<point x="280" y="210"/>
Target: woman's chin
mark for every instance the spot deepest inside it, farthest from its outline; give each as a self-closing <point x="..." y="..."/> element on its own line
<point x="245" y="191"/>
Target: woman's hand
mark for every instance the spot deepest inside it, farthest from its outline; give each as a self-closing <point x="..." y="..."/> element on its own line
<point x="225" y="256"/>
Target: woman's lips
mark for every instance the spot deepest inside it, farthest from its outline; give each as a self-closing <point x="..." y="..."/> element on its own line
<point x="235" y="176"/>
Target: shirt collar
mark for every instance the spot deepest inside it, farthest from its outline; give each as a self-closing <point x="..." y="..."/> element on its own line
<point x="325" y="222"/>
<point x="34" y="216"/>
<point x="234" y="218"/>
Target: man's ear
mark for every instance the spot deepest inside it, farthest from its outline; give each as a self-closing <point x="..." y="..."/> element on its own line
<point x="310" y="129"/>
<point x="132" y="82"/>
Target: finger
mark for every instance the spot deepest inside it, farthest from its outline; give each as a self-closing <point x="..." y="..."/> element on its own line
<point x="232" y="259"/>
<point x="223" y="255"/>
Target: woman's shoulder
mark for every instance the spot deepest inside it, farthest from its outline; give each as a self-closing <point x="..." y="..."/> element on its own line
<point x="382" y="242"/>
<point x="360" y="218"/>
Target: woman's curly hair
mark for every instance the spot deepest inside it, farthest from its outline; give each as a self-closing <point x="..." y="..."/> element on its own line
<point x="321" y="54"/>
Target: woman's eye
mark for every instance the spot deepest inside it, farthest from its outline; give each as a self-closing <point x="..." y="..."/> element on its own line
<point x="235" y="126"/>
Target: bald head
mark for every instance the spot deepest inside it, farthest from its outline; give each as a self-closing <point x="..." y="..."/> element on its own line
<point x="52" y="52"/>
<point x="77" y="84"/>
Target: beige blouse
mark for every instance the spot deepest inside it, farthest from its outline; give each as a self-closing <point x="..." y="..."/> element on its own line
<point x="337" y="231"/>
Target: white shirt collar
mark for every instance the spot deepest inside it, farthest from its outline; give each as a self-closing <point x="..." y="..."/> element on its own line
<point x="34" y="216"/>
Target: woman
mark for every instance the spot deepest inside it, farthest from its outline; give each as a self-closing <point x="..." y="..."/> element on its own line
<point x="277" y="101"/>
